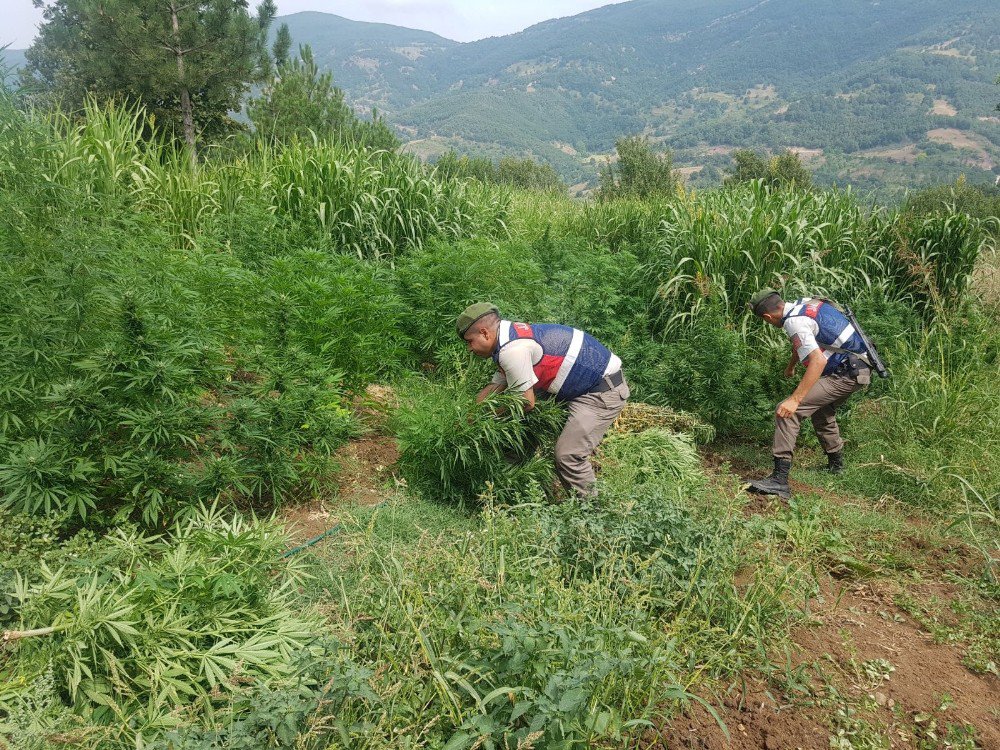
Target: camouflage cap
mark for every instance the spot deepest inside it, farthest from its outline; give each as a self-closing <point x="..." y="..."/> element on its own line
<point x="473" y="313"/>
<point x="762" y="296"/>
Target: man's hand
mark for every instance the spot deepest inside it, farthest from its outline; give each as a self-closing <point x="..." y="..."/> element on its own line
<point x="792" y="361"/>
<point x="489" y="391"/>
<point x="788" y="407"/>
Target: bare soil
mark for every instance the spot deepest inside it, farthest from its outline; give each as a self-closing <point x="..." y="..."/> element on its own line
<point x="756" y="718"/>
<point x="366" y="470"/>
<point x="962" y="140"/>
<point x="850" y="625"/>
<point x="943" y="107"/>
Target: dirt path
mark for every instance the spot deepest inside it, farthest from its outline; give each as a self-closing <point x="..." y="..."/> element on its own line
<point x="871" y="653"/>
<point x="860" y="664"/>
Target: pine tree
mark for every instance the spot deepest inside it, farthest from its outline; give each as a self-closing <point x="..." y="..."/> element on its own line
<point x="299" y="101"/>
<point x="189" y="62"/>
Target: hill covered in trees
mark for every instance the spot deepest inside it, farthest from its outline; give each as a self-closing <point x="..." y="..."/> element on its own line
<point x="883" y="95"/>
<point x="895" y="93"/>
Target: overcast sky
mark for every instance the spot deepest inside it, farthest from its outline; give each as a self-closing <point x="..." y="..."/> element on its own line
<point x="463" y="20"/>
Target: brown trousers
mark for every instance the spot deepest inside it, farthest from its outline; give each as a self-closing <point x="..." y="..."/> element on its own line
<point x="821" y="404"/>
<point x="590" y="416"/>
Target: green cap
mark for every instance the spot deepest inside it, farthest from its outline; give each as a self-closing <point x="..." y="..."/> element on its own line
<point x="761" y="296"/>
<point x="473" y="313"/>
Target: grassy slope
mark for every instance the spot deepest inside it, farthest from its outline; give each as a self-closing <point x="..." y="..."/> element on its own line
<point x="677" y="582"/>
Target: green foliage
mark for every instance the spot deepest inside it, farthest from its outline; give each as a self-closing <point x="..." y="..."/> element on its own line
<point x="147" y="623"/>
<point x="558" y="625"/>
<point x="189" y="65"/>
<point x="588" y="287"/>
<point x="710" y="370"/>
<point x="978" y="201"/>
<point x="456" y="451"/>
<point x="300" y="102"/>
<point x="340" y="312"/>
<point x="373" y="207"/>
<point x="785" y="170"/>
<point x="332" y="196"/>
<point x="440" y="280"/>
<point x="510" y="171"/>
<point x="937" y="257"/>
<point x="936" y="417"/>
<point x="640" y="172"/>
<point x="527" y="174"/>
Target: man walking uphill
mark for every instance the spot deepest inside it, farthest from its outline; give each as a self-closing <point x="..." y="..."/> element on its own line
<point x="564" y="362"/>
<point x="837" y="365"/>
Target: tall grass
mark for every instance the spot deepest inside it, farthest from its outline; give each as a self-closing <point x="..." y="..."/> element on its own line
<point x="371" y="204"/>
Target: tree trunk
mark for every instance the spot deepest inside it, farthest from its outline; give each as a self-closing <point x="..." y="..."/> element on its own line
<point x="187" y="110"/>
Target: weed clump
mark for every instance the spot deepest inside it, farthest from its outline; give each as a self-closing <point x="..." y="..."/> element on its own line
<point x="143" y="624"/>
<point x="455" y="450"/>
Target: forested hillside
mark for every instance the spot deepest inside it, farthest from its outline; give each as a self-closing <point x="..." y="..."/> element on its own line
<point x="882" y="95"/>
<point x="896" y="92"/>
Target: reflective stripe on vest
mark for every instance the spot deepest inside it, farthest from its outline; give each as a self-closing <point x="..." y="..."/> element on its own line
<point x="836" y="334"/>
<point x="572" y="362"/>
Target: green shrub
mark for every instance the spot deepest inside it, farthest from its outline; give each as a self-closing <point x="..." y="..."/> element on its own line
<point x="978" y="201"/>
<point x="711" y="370"/>
<point x="147" y="624"/>
<point x="134" y="382"/>
<point x="455" y="451"/>
<point x="439" y="281"/>
<point x="639" y="171"/>
<point x="935" y="260"/>
<point x="341" y="312"/>
<point x="588" y="287"/>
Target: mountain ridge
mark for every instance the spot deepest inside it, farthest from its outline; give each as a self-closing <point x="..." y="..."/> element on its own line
<point x="883" y="94"/>
<point x="839" y="82"/>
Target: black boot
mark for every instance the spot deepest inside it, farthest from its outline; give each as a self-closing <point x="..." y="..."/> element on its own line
<point x="777" y="483"/>
<point x="835" y="462"/>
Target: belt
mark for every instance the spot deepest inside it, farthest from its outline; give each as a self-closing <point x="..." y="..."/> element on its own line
<point x="608" y="382"/>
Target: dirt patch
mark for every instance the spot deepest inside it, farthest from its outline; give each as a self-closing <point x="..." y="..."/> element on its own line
<point x="410" y="53"/>
<point x="962" y="140"/>
<point x="756" y="719"/>
<point x="861" y="626"/>
<point x="943" y="107"/>
<point x="762" y="93"/>
<point x="869" y="650"/>
<point x="901" y="155"/>
<point x="806" y="154"/>
<point x="952" y="52"/>
<point x="366" y="466"/>
<point x="688" y="171"/>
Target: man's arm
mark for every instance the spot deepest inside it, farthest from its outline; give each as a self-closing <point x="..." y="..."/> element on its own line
<point x="815" y="364"/>
<point x="489" y="391"/>
<point x="529" y="395"/>
<point x="792" y="361"/>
